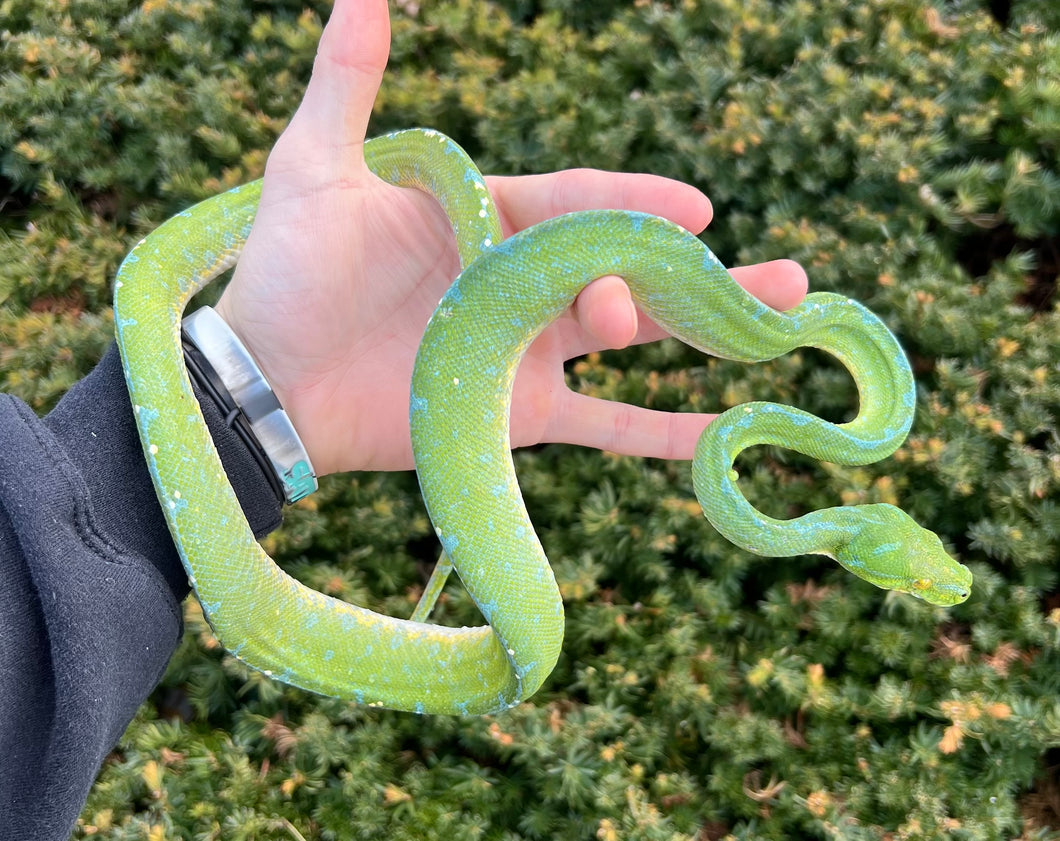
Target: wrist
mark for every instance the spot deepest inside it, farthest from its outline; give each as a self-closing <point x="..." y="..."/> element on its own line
<point x="228" y="371"/>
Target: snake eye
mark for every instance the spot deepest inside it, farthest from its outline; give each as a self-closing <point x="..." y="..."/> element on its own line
<point x="921" y="583"/>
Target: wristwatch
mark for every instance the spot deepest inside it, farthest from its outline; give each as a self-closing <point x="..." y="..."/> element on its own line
<point x="221" y="366"/>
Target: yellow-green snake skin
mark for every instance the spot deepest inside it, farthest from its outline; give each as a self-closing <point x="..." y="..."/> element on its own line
<point x="507" y="293"/>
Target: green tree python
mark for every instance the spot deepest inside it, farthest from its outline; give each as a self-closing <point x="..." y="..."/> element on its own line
<point x="508" y="291"/>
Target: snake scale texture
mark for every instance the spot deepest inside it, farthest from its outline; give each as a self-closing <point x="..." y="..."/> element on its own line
<point x="508" y="291"/>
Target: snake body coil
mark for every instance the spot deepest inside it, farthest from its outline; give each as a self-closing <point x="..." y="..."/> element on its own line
<point x="507" y="293"/>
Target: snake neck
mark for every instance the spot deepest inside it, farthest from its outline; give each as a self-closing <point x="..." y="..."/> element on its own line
<point x="715" y="480"/>
<point x="886" y="392"/>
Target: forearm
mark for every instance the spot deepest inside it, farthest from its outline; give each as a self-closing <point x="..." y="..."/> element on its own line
<point x="90" y="590"/>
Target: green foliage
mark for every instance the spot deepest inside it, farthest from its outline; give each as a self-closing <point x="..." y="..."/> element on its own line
<point x="907" y="153"/>
<point x="114" y="117"/>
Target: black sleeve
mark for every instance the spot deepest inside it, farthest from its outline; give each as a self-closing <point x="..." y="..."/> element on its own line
<point x="90" y="591"/>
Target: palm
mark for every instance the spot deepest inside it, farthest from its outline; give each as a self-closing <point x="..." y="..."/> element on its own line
<point x="364" y="292"/>
<point x="341" y="272"/>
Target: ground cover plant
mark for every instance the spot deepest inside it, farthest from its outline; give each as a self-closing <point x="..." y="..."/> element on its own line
<point x="908" y="153"/>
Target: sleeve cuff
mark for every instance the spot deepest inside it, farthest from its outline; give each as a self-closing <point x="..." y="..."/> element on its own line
<point x="94" y="424"/>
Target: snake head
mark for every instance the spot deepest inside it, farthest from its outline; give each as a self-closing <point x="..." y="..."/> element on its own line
<point x="891" y="551"/>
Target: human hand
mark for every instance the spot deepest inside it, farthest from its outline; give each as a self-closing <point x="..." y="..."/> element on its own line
<point x="342" y="271"/>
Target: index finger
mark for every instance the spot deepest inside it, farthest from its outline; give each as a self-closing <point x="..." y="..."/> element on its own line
<point x="528" y="199"/>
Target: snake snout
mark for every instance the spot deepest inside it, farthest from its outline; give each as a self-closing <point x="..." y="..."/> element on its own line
<point x="944" y="580"/>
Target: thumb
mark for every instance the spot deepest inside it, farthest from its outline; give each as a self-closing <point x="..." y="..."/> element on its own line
<point x="351" y="57"/>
